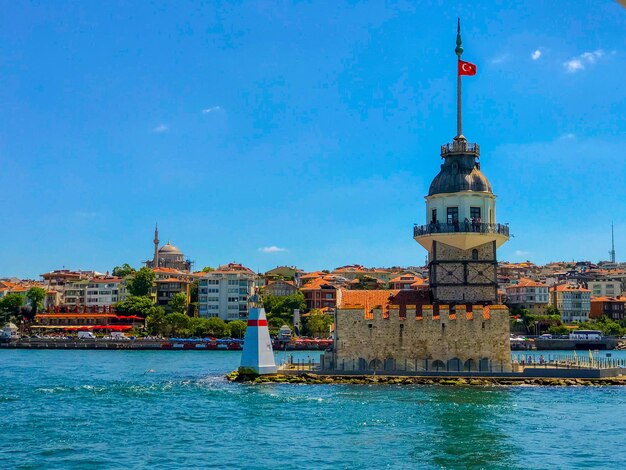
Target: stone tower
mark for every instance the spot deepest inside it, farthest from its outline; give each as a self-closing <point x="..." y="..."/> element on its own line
<point x="461" y="233"/>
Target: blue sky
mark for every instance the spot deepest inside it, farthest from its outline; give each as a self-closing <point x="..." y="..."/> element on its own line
<point x="312" y="127"/>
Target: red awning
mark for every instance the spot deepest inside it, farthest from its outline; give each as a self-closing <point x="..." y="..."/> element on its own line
<point x="129" y="317"/>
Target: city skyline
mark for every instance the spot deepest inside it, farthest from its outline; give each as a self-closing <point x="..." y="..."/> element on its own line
<point x="303" y="136"/>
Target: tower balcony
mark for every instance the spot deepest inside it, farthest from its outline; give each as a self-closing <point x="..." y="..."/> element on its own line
<point x="460" y="147"/>
<point x="460" y="235"/>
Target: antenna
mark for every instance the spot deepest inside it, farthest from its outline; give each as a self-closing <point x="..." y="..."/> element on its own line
<point x="612" y="252"/>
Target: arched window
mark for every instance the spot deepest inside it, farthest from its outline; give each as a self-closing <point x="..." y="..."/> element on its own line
<point x="474" y="254"/>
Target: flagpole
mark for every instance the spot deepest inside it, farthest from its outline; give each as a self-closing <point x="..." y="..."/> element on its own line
<point x="459" y="52"/>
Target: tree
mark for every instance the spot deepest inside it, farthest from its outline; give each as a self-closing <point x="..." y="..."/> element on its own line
<point x="558" y="330"/>
<point x="318" y="324"/>
<point x="123" y="270"/>
<point x="135" y="305"/>
<point x="178" y="324"/>
<point x="552" y="310"/>
<point x="193" y="292"/>
<point x="178" y="303"/>
<point x="237" y="328"/>
<point x="10" y="306"/>
<point x="217" y="327"/>
<point x="281" y="308"/>
<point x="155" y="321"/>
<point x="35" y="297"/>
<point x="207" y="269"/>
<point x="142" y="282"/>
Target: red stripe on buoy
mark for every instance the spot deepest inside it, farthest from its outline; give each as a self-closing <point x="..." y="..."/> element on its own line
<point x="257" y="322"/>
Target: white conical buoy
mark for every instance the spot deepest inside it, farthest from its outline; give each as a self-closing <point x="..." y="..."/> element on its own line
<point x="258" y="355"/>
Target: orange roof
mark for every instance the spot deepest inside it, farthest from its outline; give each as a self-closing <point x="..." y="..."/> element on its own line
<point x="365" y="298"/>
<point x="569" y="288"/>
<point x="408" y="278"/>
<point x="167" y="270"/>
<point x="316" y="283"/>
<point x="312" y="275"/>
<point x="233" y="267"/>
<point x="608" y="299"/>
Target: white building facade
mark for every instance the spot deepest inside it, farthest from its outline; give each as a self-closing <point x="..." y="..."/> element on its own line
<point x="605" y="288"/>
<point x="226" y="292"/>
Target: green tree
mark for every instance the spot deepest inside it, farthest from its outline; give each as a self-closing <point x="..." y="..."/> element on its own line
<point x="207" y="269"/>
<point x="142" y="282"/>
<point x="193" y="292"/>
<point x="155" y="321"/>
<point x="558" y="330"/>
<point x="280" y="309"/>
<point x="552" y="310"/>
<point x="178" y="324"/>
<point x="135" y="305"/>
<point x="217" y="327"/>
<point x="178" y="303"/>
<point x="10" y="306"/>
<point x="35" y="297"/>
<point x="318" y="324"/>
<point x="237" y="328"/>
<point x="123" y="270"/>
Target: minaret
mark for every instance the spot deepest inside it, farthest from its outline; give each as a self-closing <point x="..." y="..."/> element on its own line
<point x="155" y="262"/>
<point x="461" y="233"/>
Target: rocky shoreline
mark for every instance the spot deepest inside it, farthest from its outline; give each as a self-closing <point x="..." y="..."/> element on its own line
<point x="310" y="379"/>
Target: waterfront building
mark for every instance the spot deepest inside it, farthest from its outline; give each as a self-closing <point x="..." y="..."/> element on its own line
<point x="168" y="282"/>
<point x="280" y="288"/>
<point x="407" y="282"/>
<point x="610" y="307"/>
<point x="320" y="293"/>
<point x="530" y="295"/>
<point x="168" y="256"/>
<point x="456" y="324"/>
<point x="102" y="291"/>
<point x="225" y="292"/>
<point x="573" y="302"/>
<point x="605" y="287"/>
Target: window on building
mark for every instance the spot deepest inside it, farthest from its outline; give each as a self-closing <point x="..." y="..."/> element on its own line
<point x="475" y="213"/>
<point x="233" y="299"/>
<point x="474" y="254"/>
<point x="453" y="214"/>
<point x="434" y="216"/>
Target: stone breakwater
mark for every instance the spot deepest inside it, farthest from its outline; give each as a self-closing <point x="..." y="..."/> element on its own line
<point x="310" y="379"/>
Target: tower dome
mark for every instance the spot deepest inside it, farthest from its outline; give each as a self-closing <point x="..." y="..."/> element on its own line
<point x="460" y="172"/>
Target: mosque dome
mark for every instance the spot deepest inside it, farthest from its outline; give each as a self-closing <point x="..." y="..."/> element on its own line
<point x="460" y="173"/>
<point x="169" y="248"/>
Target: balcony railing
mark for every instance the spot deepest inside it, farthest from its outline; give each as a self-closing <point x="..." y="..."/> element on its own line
<point x="460" y="227"/>
<point x="460" y="146"/>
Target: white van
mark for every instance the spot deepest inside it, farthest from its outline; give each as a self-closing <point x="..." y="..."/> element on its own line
<point x="119" y="336"/>
<point x="86" y="335"/>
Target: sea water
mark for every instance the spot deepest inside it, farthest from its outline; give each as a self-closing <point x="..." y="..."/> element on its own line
<point x="174" y="409"/>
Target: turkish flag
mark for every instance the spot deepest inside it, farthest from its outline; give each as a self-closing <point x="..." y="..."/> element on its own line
<point x="466" y="68"/>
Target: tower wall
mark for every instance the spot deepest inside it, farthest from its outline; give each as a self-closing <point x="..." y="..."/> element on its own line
<point x="464" y="276"/>
<point x="388" y="340"/>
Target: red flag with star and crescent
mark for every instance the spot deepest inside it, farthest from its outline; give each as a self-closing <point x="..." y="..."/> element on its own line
<point x="466" y="68"/>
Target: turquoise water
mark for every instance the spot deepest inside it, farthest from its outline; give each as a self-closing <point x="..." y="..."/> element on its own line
<point x="170" y="410"/>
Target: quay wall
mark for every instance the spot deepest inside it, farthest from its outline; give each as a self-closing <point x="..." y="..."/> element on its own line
<point x="428" y="337"/>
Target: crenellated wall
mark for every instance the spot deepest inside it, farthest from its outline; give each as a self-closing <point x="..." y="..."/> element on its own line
<point x="415" y="337"/>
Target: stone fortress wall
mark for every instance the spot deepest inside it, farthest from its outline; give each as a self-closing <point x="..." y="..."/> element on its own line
<point x="422" y="337"/>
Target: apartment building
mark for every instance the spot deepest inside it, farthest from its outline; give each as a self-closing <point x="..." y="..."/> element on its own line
<point x="573" y="302"/>
<point x="528" y="294"/>
<point x="225" y="292"/>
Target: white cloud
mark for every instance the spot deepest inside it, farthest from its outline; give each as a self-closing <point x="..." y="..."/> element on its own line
<point x="160" y="129"/>
<point x="501" y="58"/>
<point x="586" y="58"/>
<point x="521" y="253"/>
<point x="568" y="136"/>
<point x="535" y="55"/>
<point x="271" y="249"/>
<point x="211" y="109"/>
